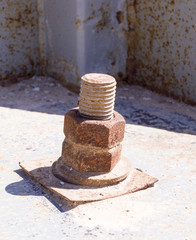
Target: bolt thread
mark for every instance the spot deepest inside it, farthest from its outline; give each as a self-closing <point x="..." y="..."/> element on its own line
<point x="97" y="96"/>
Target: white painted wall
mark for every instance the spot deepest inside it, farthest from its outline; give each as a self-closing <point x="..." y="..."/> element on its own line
<point x="85" y="36"/>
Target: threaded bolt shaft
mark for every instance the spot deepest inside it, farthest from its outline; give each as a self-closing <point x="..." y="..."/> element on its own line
<point x="97" y="96"/>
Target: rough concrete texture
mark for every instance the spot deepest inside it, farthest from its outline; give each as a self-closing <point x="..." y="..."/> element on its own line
<point x="159" y="138"/>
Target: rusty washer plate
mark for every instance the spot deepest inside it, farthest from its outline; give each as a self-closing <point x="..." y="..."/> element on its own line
<point x="41" y="171"/>
<point x="117" y="174"/>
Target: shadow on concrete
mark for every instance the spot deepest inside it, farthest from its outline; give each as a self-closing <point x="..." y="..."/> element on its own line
<point x="59" y="100"/>
<point x="29" y="187"/>
<point x="156" y="118"/>
<point x="136" y="115"/>
<point x="76" y="194"/>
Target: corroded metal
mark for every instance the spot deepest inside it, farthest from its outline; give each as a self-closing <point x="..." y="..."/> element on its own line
<point x="151" y="43"/>
<point x="40" y="170"/>
<point x="93" y="146"/>
<point x="91" y="151"/>
<point x="165" y="47"/>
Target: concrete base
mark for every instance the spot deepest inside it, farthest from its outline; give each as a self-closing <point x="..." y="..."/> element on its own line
<point x="41" y="171"/>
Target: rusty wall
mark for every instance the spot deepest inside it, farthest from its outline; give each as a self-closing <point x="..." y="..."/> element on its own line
<point x="165" y="47"/>
<point x="151" y="42"/>
<point x="84" y="36"/>
<point x="19" y="50"/>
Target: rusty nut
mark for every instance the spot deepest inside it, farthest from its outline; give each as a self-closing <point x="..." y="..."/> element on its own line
<point x="97" y="133"/>
<point x="85" y="159"/>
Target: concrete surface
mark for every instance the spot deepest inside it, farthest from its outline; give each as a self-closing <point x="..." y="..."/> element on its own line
<point x="160" y="140"/>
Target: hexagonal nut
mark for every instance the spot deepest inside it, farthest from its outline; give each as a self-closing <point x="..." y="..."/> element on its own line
<point x="90" y="159"/>
<point x="97" y="133"/>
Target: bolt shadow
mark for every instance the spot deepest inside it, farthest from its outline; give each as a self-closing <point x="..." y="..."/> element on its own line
<point x="29" y="187"/>
<point x="63" y="190"/>
<point x="155" y="118"/>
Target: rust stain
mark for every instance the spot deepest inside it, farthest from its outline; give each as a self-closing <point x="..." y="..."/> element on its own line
<point x="19" y="15"/>
<point x="11" y="80"/>
<point x="78" y="23"/>
<point x="103" y="14"/>
<point x="161" y="44"/>
<point x="131" y="40"/>
<point x="105" y="17"/>
<point x="120" y="17"/>
<point x="41" y="37"/>
<point x="160" y="38"/>
<point x="18" y="28"/>
<point x="112" y="57"/>
<point x="64" y="67"/>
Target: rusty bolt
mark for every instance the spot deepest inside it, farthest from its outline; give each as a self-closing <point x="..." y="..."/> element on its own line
<point x="94" y="134"/>
<point x="97" y="96"/>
